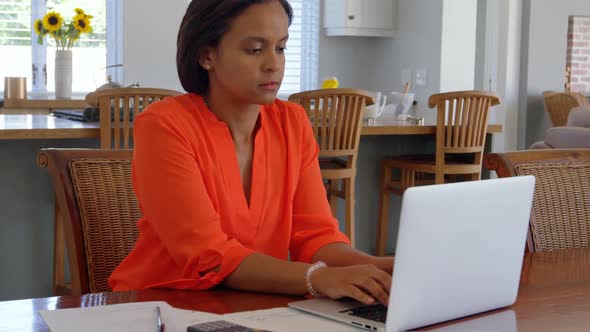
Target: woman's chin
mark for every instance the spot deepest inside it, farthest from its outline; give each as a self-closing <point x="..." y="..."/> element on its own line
<point x="266" y="99"/>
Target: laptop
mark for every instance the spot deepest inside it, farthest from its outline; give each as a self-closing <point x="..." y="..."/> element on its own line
<point x="87" y="115"/>
<point x="90" y="114"/>
<point x="459" y="252"/>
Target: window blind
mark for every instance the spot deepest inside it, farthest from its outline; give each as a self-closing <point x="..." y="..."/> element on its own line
<point x="302" y="48"/>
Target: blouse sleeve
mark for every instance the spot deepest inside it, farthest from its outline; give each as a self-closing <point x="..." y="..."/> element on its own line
<point x="175" y="202"/>
<point x="313" y="223"/>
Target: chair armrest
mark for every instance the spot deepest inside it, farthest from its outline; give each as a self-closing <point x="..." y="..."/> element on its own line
<point x="568" y="138"/>
<point x="539" y="145"/>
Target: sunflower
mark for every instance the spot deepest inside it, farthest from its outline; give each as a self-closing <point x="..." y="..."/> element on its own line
<point x="39" y="27"/>
<point x="82" y="23"/>
<point x="79" y="11"/>
<point x="52" y="21"/>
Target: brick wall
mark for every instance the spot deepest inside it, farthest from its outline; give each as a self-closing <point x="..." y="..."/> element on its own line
<point x="578" y="53"/>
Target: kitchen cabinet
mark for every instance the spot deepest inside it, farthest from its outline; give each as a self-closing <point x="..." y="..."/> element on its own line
<point x="370" y="18"/>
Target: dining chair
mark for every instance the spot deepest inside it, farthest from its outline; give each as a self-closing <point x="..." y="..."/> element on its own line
<point x="99" y="212"/>
<point x="118" y="107"/>
<point x="559" y="104"/>
<point x="336" y="117"/>
<point x="560" y="216"/>
<point x="117" y="112"/>
<point x="461" y="128"/>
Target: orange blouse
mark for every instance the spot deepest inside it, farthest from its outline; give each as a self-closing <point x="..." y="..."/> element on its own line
<point x="195" y="215"/>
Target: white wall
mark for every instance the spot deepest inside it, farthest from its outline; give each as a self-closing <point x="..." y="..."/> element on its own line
<point x="507" y="79"/>
<point x="417" y="44"/>
<point x="149" y="42"/>
<point x="458" y="45"/>
<point x="350" y="59"/>
<point x="498" y="64"/>
<point x="546" y="37"/>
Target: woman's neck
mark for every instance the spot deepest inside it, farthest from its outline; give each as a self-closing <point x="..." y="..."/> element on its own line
<point x="240" y="118"/>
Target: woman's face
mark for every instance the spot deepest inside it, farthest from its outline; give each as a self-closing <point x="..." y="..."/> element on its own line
<point x="249" y="62"/>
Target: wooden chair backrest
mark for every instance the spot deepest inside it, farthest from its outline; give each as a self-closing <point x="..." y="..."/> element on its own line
<point x="461" y="124"/>
<point x="560" y="217"/>
<point x="117" y="109"/>
<point x="462" y="119"/>
<point x="95" y="195"/>
<point x="336" y="117"/>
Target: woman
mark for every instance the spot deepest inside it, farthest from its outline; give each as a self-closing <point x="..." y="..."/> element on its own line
<point x="227" y="176"/>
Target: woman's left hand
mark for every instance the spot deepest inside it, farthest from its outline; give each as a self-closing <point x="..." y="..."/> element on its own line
<point x="384" y="263"/>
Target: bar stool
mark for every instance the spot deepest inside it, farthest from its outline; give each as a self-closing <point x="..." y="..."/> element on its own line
<point x="336" y="118"/>
<point x="461" y="128"/>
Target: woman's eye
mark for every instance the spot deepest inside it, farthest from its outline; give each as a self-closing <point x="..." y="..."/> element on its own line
<point x="255" y="51"/>
<point x="281" y="49"/>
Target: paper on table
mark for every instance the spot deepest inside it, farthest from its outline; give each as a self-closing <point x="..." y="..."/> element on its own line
<point x="287" y="320"/>
<point x="140" y="316"/>
<point x="137" y="316"/>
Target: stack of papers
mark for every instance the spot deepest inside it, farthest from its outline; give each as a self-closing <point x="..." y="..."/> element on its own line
<point x="140" y="316"/>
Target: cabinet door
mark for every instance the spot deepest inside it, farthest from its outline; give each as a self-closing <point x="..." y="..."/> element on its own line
<point x="354" y="13"/>
<point x="374" y="14"/>
<point x="372" y="18"/>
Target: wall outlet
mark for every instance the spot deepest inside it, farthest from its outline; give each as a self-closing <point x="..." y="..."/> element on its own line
<point x="421" y="77"/>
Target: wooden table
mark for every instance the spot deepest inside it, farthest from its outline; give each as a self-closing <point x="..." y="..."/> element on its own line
<point x="554" y="295"/>
<point x="27" y="126"/>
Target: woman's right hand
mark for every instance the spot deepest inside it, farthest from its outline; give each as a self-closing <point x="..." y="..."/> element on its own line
<point x="365" y="283"/>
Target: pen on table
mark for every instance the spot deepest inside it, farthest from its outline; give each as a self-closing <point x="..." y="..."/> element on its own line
<point x="159" y="321"/>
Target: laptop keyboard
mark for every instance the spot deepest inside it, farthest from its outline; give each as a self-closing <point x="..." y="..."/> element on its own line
<point x="375" y="312"/>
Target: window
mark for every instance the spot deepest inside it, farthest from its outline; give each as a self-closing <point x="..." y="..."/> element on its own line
<point x="22" y="56"/>
<point x="302" y="48"/>
<point x="15" y="39"/>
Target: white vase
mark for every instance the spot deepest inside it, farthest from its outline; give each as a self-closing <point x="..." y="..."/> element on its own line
<point x="63" y="74"/>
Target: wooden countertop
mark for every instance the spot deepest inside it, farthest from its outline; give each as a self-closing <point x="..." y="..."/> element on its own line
<point x="384" y="126"/>
<point x="45" y="103"/>
<point x="27" y="126"/>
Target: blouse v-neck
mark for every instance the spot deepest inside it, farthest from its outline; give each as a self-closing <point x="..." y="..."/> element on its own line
<point x="230" y="166"/>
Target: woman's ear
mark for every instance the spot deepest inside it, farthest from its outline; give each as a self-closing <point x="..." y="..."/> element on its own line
<point x="205" y="59"/>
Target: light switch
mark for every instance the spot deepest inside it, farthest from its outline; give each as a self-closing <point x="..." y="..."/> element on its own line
<point x="421" y="77"/>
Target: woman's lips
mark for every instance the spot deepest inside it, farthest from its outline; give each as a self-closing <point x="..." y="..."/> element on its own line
<point x="270" y="85"/>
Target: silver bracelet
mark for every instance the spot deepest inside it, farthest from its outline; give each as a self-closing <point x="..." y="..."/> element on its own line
<point x="310" y="270"/>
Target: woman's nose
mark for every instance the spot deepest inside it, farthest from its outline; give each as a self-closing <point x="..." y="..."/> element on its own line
<point x="273" y="62"/>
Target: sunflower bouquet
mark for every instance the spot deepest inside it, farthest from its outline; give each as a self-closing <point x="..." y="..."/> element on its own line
<point x="65" y="34"/>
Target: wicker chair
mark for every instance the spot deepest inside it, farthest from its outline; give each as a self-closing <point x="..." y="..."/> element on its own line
<point x="336" y="117"/>
<point x="99" y="213"/>
<point x="461" y="128"/>
<point x="560" y="217"/>
<point x="559" y="105"/>
<point x="117" y="111"/>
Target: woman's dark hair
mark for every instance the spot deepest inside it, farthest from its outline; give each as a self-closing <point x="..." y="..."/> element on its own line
<point x="203" y="25"/>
